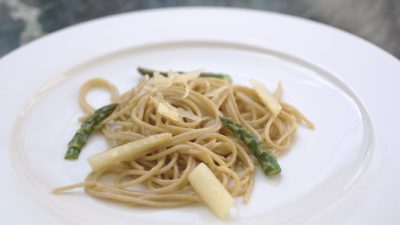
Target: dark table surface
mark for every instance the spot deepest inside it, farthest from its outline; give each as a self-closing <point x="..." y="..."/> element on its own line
<point x="22" y="21"/>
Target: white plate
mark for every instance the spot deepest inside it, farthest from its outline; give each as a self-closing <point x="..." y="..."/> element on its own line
<point x="341" y="173"/>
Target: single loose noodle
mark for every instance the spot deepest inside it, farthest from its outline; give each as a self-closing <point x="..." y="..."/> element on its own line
<point x="160" y="178"/>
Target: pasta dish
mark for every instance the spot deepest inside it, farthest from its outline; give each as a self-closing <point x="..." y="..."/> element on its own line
<point x="184" y="137"/>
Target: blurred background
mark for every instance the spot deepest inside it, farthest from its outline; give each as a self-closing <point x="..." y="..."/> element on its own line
<point x="22" y="21"/>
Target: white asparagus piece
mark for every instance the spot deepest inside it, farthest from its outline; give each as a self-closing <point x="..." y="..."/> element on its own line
<point x="128" y="151"/>
<point x="211" y="190"/>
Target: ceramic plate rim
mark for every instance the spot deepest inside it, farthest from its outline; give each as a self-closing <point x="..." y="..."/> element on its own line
<point x="6" y="63"/>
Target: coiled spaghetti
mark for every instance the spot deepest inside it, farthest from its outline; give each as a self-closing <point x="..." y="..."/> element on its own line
<point x="192" y="108"/>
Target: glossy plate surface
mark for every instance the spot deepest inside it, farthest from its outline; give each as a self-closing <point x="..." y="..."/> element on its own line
<point x="331" y="79"/>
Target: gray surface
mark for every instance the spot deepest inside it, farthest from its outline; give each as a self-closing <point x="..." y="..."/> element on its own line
<point x="24" y="20"/>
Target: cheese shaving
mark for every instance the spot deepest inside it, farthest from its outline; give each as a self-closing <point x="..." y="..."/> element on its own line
<point x="159" y="81"/>
<point x="169" y="111"/>
<point x="266" y="97"/>
<point x="166" y="109"/>
<point x="189" y="115"/>
<point x="188" y="76"/>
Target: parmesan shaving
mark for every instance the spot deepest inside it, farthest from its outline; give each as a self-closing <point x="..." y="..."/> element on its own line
<point x="159" y="81"/>
<point x="184" y="78"/>
<point x="166" y="109"/>
<point x="189" y="115"/>
<point x="266" y="97"/>
<point x="188" y="76"/>
<point x="169" y="111"/>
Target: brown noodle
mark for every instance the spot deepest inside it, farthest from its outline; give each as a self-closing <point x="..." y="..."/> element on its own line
<point x="159" y="179"/>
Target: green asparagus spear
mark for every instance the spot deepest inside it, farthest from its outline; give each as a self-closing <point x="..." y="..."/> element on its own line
<point x="222" y="76"/>
<point x="267" y="160"/>
<point x="88" y="126"/>
<point x="149" y="72"/>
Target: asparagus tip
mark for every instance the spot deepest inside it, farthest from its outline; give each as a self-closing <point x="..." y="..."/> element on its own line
<point x="72" y="154"/>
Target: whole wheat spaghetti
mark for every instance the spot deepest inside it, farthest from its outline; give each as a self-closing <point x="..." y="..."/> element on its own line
<point x="187" y="106"/>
